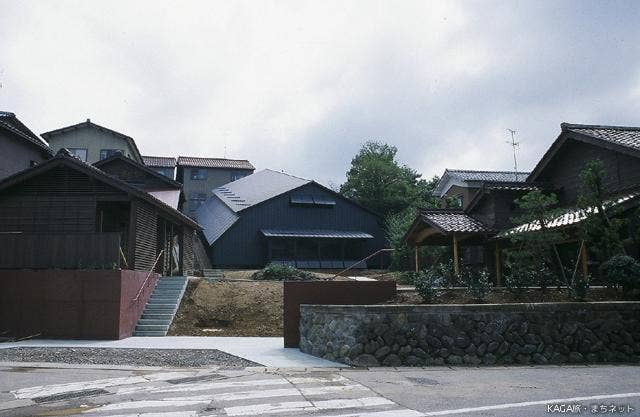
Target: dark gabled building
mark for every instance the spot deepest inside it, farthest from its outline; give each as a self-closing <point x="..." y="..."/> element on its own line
<point x="91" y="142"/>
<point x="64" y="213"/>
<point x="20" y="148"/>
<point x="200" y="176"/>
<point x="165" y="165"/>
<point x="271" y="216"/>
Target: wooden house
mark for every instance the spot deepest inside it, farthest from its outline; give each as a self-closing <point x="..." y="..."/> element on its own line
<point x="271" y="216"/>
<point x="20" y="148"/>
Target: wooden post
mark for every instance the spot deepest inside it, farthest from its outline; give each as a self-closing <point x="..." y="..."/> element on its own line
<point x="417" y="260"/>
<point x="498" y="265"/>
<point x="456" y="260"/>
<point x="585" y="260"/>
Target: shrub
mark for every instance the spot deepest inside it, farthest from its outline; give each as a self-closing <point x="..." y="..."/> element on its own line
<point x="425" y="284"/>
<point x="279" y="272"/>
<point x="621" y="270"/>
<point x="478" y="284"/>
<point x="578" y="288"/>
<point x="407" y="277"/>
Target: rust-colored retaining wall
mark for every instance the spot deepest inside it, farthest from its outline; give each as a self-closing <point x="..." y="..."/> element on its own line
<point x="78" y="304"/>
<point x="328" y="292"/>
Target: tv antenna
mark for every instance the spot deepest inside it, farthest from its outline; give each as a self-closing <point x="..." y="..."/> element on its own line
<point x="514" y="145"/>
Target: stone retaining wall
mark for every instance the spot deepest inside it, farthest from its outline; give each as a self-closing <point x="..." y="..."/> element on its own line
<point x="472" y="334"/>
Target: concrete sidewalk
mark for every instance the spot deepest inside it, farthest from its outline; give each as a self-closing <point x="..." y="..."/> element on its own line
<point x="268" y="351"/>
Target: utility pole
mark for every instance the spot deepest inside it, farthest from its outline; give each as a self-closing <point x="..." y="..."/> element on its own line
<point x="514" y="145"/>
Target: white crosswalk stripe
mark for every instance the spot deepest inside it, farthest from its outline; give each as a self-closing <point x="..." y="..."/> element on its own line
<point x="173" y="394"/>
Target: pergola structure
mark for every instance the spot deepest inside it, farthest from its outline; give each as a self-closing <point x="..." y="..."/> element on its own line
<point x="447" y="227"/>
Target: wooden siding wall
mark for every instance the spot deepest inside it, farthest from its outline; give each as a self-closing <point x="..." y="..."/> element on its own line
<point x="187" y="251"/>
<point x="243" y="245"/>
<point x="563" y="171"/>
<point x="134" y="176"/>
<point x="61" y="201"/>
<point x="81" y="251"/>
<point x="146" y="229"/>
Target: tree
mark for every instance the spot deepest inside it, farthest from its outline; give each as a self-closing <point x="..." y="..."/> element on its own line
<point x="600" y="229"/>
<point x="377" y="181"/>
<point x="535" y="250"/>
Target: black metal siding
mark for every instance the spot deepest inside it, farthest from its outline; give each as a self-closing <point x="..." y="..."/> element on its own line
<point x="243" y="245"/>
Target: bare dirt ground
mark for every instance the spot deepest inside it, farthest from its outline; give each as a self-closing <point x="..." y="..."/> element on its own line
<point x="230" y="309"/>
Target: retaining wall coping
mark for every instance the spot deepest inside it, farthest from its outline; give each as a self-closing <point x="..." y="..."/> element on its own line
<point x="472" y="308"/>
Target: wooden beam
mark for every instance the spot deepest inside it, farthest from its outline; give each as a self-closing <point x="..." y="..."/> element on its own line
<point x="584" y="257"/>
<point x="417" y="259"/>
<point x="456" y="259"/>
<point x="498" y="265"/>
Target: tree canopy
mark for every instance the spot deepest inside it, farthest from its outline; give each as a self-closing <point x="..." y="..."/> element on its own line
<point x="377" y="181"/>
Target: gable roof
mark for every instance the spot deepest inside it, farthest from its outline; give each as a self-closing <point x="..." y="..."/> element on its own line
<point x="452" y="221"/>
<point x="467" y="177"/>
<point x="159" y="161"/>
<point x="64" y="158"/>
<point x="10" y="123"/>
<point x="89" y="124"/>
<point x="137" y="165"/>
<point x="194" y="161"/>
<point x="256" y="188"/>
<point x="618" y="138"/>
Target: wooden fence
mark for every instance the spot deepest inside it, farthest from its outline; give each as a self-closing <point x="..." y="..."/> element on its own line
<point x="79" y="251"/>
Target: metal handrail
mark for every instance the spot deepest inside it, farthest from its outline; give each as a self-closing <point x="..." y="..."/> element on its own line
<point x="362" y="260"/>
<point x="148" y="276"/>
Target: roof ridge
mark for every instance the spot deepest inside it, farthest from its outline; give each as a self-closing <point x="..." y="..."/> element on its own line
<point x="290" y="175"/>
<point x="211" y="157"/>
<point x="7" y="113"/>
<point x="569" y="126"/>
<point x="485" y="171"/>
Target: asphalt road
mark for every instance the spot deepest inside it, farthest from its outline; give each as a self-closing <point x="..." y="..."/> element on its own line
<point x="375" y="392"/>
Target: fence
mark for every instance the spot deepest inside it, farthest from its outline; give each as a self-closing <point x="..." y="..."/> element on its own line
<point x="78" y="251"/>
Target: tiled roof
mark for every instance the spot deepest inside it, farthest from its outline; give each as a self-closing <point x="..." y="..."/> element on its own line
<point x="624" y="136"/>
<point x="513" y="186"/>
<point x="256" y="188"/>
<point x="9" y="122"/>
<point x="194" y="161"/>
<point x="450" y="221"/>
<point x="469" y="175"/>
<point x="570" y="217"/>
<point x="315" y="233"/>
<point x="159" y="161"/>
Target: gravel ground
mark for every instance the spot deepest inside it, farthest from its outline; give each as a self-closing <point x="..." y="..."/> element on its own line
<point x="142" y="357"/>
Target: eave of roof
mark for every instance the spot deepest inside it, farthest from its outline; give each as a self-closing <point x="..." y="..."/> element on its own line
<point x="214" y="163"/>
<point x="89" y="123"/>
<point x="315" y="233"/>
<point x="159" y="161"/>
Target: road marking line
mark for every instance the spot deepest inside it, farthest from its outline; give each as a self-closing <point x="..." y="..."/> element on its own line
<point x="531" y="403"/>
<point x="272" y="393"/>
<point x="47" y="390"/>
<point x="389" y="413"/>
<point x="298" y="406"/>
<point x="204" y="386"/>
<point x="167" y="414"/>
<point x="147" y="404"/>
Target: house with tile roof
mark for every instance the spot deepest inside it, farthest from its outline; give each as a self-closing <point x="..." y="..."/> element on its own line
<point x="165" y="165"/>
<point x="485" y="218"/>
<point x="271" y="216"/>
<point x="200" y="176"/>
<point x="91" y="142"/>
<point x="20" y="148"/>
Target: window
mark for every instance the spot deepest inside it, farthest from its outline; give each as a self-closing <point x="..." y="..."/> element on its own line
<point x="105" y="153"/>
<point x="80" y="153"/>
<point x="196" y="200"/>
<point x="198" y="174"/>
<point x="311" y="200"/>
<point x="237" y="175"/>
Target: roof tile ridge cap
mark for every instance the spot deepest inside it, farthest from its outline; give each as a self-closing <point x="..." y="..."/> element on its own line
<point x="569" y="126"/>
<point x="211" y="157"/>
<point x="486" y="171"/>
<point x="287" y="174"/>
<point x="7" y="113"/>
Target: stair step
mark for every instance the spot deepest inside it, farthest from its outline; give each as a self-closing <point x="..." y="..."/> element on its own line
<point x="162" y="322"/>
<point x="152" y="327"/>
<point x="147" y="333"/>
<point x="156" y="316"/>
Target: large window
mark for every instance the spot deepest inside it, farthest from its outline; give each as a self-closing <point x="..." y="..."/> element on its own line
<point x="80" y="153"/>
<point x="105" y="153"/>
<point x="236" y="175"/>
<point x="198" y="174"/>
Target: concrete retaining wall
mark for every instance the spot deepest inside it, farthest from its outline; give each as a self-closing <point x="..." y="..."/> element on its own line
<point x="472" y="334"/>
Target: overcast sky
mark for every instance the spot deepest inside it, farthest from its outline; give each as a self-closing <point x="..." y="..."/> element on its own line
<point x="299" y="86"/>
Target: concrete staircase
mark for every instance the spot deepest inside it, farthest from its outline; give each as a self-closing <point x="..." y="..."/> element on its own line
<point x="213" y="274"/>
<point x="161" y="307"/>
